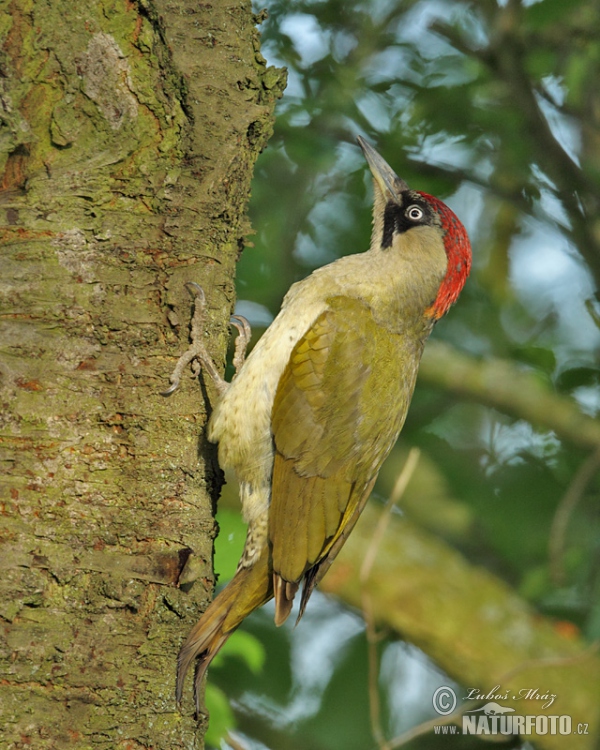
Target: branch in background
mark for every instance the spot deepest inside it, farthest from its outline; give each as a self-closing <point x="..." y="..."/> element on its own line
<point x="506" y="58"/>
<point x="512" y="193"/>
<point x="470" y="623"/>
<point x="365" y="573"/>
<point x="564" y="511"/>
<point x="521" y="394"/>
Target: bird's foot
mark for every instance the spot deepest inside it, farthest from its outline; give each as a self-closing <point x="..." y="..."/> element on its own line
<point x="197" y="353"/>
<point x="242" y="341"/>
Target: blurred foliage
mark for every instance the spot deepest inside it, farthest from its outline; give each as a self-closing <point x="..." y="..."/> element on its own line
<point x="494" y="107"/>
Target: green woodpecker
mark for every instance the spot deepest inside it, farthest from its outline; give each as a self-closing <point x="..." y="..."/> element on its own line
<point x="315" y="409"/>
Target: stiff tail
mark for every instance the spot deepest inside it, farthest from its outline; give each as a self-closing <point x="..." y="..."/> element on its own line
<point x="248" y="589"/>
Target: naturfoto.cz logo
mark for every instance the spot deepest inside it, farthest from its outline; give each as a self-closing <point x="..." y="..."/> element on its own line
<point x="495" y="719"/>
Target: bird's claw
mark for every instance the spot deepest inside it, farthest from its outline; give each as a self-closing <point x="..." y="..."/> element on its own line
<point x="197" y="351"/>
<point x="242" y="325"/>
<point x="196" y="291"/>
<point x="172" y="388"/>
<point x="241" y="343"/>
<point x="197" y="354"/>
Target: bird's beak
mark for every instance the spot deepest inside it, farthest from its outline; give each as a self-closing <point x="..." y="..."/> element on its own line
<point x="390" y="184"/>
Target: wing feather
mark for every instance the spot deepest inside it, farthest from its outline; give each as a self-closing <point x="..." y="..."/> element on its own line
<point x="336" y="414"/>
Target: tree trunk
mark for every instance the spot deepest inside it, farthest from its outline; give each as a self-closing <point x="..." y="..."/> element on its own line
<point x="129" y="135"/>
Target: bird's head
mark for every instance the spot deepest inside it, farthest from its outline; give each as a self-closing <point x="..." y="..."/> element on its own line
<point x="399" y="210"/>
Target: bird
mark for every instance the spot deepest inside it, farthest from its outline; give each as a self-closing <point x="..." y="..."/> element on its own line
<point x="314" y="410"/>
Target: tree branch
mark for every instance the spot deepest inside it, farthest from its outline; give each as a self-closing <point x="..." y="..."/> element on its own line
<point x="506" y="58"/>
<point x="471" y="624"/>
<point x="566" y="507"/>
<point x="499" y="384"/>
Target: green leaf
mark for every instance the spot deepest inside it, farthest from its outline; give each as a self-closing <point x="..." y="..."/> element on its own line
<point x="577" y="377"/>
<point x="543" y="13"/>
<point x="246" y="647"/>
<point x="229" y="543"/>
<point x="222" y="720"/>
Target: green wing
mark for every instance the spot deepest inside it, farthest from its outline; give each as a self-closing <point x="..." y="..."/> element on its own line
<point x="338" y="409"/>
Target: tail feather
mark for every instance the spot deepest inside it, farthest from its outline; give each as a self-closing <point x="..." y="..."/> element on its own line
<point x="248" y="589"/>
<point x="284" y="592"/>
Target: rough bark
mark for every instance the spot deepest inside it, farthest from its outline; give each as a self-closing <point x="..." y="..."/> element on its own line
<point x="129" y="134"/>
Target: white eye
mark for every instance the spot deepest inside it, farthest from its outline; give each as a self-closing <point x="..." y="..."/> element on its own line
<point x="414" y="213"/>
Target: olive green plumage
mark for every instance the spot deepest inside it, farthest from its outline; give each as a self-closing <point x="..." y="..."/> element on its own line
<point x="336" y="415"/>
